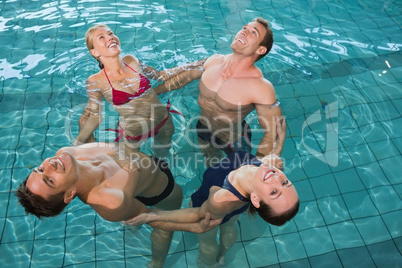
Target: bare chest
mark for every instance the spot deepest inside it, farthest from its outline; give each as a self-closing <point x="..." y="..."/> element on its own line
<point x="214" y="85"/>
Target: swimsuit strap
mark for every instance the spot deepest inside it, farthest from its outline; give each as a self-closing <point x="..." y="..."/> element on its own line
<point x="108" y="77"/>
<point x="249" y="159"/>
<point x="130" y="67"/>
<point x="150" y="133"/>
<point x="228" y="186"/>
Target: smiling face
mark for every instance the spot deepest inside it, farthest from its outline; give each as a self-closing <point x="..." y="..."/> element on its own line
<point x="101" y="41"/>
<point x="54" y="175"/>
<point x="247" y="40"/>
<point x="272" y="187"/>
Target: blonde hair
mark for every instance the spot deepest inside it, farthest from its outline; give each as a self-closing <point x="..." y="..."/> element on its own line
<point x="89" y="40"/>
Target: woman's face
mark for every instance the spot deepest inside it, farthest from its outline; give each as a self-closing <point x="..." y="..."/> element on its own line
<point x="105" y="43"/>
<point x="273" y="188"/>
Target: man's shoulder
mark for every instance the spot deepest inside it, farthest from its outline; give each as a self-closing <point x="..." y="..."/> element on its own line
<point x="258" y="83"/>
<point x="214" y="59"/>
<point x="105" y="196"/>
<point x="130" y="59"/>
<point x="261" y="91"/>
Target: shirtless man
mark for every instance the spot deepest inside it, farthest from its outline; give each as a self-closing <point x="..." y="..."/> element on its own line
<point x="231" y="86"/>
<point x="116" y="189"/>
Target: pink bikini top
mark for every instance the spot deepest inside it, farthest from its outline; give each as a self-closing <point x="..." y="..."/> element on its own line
<point x="121" y="97"/>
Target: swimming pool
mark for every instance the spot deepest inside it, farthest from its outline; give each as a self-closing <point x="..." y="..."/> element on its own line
<point x="336" y="68"/>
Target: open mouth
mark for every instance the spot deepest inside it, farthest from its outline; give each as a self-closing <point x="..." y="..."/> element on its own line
<point x="113" y="45"/>
<point x="268" y="175"/>
<point x="59" y="162"/>
<point x="241" y="41"/>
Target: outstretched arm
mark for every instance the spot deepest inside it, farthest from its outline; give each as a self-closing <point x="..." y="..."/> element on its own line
<point x="91" y="116"/>
<point x="179" y="81"/>
<point x="185" y="215"/>
<point x="165" y="75"/>
<point x="176" y="220"/>
<point x="187" y="219"/>
<point x="176" y="77"/>
<point x="198" y="227"/>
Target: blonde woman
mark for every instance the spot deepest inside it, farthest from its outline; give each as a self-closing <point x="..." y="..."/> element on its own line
<point x="123" y="81"/>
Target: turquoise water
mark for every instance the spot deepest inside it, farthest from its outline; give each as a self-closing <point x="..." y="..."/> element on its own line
<point x="336" y="68"/>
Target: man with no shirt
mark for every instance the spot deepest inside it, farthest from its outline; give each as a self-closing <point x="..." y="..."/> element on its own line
<point x="231" y="87"/>
<point x="116" y="187"/>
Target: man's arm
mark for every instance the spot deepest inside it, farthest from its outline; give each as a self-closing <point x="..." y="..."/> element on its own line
<point x="185" y="215"/>
<point x="267" y="119"/>
<point x="165" y="75"/>
<point x="179" y="81"/>
<point x="91" y="116"/>
<point x="187" y="219"/>
<point x="198" y="227"/>
<point x="274" y="157"/>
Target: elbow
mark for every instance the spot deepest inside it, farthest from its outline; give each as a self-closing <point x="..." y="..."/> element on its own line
<point x="96" y="118"/>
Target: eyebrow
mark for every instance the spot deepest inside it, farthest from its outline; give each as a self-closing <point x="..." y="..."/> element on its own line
<point x="45" y="181"/>
<point x="257" y="30"/>
<point x="281" y="192"/>
<point x="253" y="27"/>
<point x="277" y="196"/>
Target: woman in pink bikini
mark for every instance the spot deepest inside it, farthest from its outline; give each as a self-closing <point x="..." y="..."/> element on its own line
<point x="123" y="81"/>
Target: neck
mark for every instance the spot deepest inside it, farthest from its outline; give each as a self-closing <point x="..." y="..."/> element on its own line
<point x="114" y="64"/>
<point x="239" y="65"/>
<point x="90" y="175"/>
<point x="242" y="178"/>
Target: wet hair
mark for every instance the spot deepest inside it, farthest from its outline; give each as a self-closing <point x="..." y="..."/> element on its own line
<point x="38" y="206"/>
<point x="267" y="213"/>
<point x="89" y="40"/>
<point x="268" y="39"/>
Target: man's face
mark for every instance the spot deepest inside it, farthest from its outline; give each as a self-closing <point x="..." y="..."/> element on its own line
<point x="248" y="39"/>
<point x="53" y="176"/>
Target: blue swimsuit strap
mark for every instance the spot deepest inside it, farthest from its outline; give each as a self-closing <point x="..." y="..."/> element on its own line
<point x="228" y="186"/>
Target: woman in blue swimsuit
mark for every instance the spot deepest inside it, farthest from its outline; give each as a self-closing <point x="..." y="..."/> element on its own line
<point x="238" y="182"/>
<point x="123" y="82"/>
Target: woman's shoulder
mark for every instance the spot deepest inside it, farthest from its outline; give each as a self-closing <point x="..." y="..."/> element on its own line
<point x="96" y="77"/>
<point x="221" y="201"/>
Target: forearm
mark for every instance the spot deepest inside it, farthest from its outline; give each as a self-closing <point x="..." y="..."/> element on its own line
<point x="169" y="73"/>
<point x="185" y="215"/>
<point x="178" y="81"/>
<point x="269" y="120"/>
<point x="272" y="143"/>
<point x="87" y="129"/>
<point x="266" y="146"/>
<point x="174" y="226"/>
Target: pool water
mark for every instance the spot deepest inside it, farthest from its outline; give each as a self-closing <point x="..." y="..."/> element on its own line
<point x="336" y="68"/>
